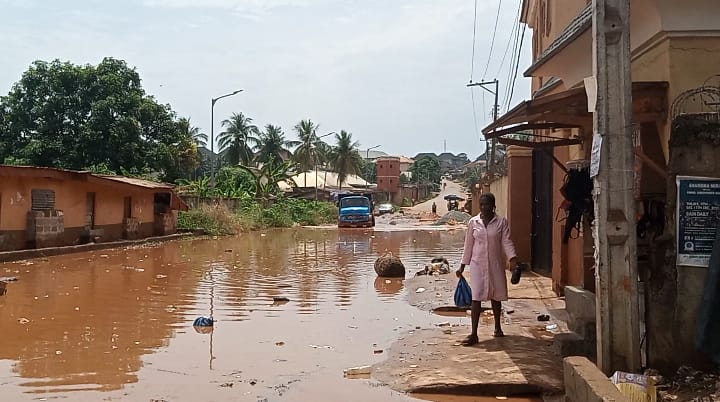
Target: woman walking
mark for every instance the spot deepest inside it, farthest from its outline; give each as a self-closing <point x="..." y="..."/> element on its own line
<point x="487" y="247"/>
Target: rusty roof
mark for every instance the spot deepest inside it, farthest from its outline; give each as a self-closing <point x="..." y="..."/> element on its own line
<point x="135" y="182"/>
<point x="41" y="171"/>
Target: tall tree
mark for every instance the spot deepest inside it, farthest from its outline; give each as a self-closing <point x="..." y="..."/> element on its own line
<point x="64" y="115"/>
<point x="306" y="154"/>
<point x="345" y="158"/>
<point x="426" y="170"/>
<point x="238" y="139"/>
<point x="273" y="147"/>
<point x="187" y="129"/>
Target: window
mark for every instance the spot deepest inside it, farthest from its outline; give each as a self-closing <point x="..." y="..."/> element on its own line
<point x="42" y="199"/>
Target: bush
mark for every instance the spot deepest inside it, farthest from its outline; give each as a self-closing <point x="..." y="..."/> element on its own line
<point x="216" y="220"/>
<point x="285" y="212"/>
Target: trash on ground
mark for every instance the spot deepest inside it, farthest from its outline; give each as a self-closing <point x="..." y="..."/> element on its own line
<point x="551" y="327"/>
<point x="23" y="320"/>
<point x="357" y="370"/>
<point x="636" y="387"/>
<point x="420" y="290"/>
<point x="203" y="322"/>
<point x="443" y="324"/>
<point x="543" y="317"/>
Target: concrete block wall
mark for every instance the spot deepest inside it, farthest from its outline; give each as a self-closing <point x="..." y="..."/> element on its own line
<point x="580" y="307"/>
<point x="584" y="382"/>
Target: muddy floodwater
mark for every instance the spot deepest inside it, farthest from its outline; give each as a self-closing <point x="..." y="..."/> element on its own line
<point x="293" y="309"/>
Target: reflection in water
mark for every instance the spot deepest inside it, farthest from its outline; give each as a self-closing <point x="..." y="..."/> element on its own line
<point x="95" y="319"/>
<point x="388" y="286"/>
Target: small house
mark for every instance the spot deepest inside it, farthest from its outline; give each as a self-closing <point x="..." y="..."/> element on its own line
<point x="49" y="207"/>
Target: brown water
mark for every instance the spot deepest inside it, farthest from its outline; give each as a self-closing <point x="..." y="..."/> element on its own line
<point x="117" y="324"/>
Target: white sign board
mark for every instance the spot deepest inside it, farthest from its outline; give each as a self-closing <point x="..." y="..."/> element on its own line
<point x="595" y="155"/>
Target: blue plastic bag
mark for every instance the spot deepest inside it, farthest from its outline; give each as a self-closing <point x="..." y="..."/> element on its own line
<point x="203" y="322"/>
<point x="463" y="294"/>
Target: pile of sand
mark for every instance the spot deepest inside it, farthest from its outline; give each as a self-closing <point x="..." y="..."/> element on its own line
<point x="453" y="217"/>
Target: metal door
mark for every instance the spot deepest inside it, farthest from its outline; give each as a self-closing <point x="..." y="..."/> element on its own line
<point x="542" y="222"/>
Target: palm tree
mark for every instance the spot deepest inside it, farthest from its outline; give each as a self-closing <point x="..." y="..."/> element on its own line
<point x="345" y="158"/>
<point x="186" y="128"/>
<point x="238" y="139"/>
<point x="324" y="151"/>
<point x="306" y="154"/>
<point x="272" y="145"/>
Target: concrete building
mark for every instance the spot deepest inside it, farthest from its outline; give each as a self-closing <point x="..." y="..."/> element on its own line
<point x="388" y="176"/>
<point x="675" y="50"/>
<point x="46" y="207"/>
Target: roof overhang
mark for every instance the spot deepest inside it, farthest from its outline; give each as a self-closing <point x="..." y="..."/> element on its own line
<point x="568" y="110"/>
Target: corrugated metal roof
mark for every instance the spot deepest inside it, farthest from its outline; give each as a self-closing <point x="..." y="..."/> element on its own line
<point x="135" y="182"/>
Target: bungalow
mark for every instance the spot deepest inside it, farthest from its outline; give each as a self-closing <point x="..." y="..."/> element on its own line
<point x="48" y="207"/>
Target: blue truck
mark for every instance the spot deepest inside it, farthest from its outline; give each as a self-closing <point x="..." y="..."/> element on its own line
<point x="355" y="210"/>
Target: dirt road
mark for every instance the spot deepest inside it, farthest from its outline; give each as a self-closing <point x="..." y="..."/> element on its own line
<point x="452" y="188"/>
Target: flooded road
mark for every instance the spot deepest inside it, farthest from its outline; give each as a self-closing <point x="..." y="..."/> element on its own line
<point x="117" y="324"/>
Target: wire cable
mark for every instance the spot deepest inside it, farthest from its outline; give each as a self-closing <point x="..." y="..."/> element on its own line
<point x="513" y="38"/>
<point x="492" y="41"/>
<point x="472" y="61"/>
<point x="512" y="88"/>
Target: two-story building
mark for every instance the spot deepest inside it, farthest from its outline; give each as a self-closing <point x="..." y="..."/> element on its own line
<point x="675" y="50"/>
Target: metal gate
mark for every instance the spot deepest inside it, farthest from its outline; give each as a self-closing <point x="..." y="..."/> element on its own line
<point x="542" y="222"/>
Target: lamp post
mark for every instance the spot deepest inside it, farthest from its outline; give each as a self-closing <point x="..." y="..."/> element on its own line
<point x="212" y="132"/>
<point x="367" y="156"/>
<point x="316" y="160"/>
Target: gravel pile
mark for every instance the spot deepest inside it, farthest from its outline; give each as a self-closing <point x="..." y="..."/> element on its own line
<point x="453" y="218"/>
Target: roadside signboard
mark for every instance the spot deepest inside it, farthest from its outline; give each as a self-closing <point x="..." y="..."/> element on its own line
<point x="698" y="219"/>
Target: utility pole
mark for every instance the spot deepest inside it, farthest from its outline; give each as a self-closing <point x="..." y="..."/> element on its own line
<point x="618" y="329"/>
<point x="212" y="134"/>
<point x="489" y="164"/>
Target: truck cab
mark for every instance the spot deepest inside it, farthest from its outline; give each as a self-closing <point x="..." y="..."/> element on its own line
<point x="355" y="210"/>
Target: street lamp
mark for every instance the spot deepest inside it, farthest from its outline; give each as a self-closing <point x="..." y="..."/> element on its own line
<point x="367" y="156"/>
<point x="316" y="160"/>
<point x="212" y="132"/>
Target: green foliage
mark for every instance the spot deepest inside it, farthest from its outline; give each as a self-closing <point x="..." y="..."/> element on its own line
<point x="215" y="220"/>
<point x="426" y="170"/>
<point x="100" y="168"/>
<point x="273" y="147"/>
<point x="284" y="212"/>
<point x="345" y="159"/>
<point x="307" y="153"/>
<point x="406" y="202"/>
<point x="472" y="177"/>
<point x="64" y="115"/>
<point x="238" y="139"/>
<point x="368" y="171"/>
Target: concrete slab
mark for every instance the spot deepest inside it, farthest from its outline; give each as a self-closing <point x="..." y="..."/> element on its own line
<point x="431" y="360"/>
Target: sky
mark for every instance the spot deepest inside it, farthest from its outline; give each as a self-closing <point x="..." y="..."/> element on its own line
<point x="392" y="73"/>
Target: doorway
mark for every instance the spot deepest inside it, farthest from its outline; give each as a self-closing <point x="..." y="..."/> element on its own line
<point x="90" y="211"/>
<point x="542" y="211"/>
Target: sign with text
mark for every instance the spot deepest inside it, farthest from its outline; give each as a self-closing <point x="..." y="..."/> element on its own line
<point x="698" y="219"/>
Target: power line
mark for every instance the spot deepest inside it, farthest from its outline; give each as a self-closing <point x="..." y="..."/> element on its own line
<point x="512" y="88"/>
<point x="492" y="42"/>
<point x="513" y="38"/>
<point x="472" y="61"/>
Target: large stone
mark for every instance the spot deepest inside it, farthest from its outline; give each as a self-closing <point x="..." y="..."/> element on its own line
<point x="389" y="266"/>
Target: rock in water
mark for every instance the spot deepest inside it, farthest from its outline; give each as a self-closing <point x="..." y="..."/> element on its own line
<point x="389" y="266"/>
<point x="3" y="288"/>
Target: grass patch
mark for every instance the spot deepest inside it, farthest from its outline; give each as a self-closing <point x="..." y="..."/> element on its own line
<point x="215" y="220"/>
<point x="284" y="212"/>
